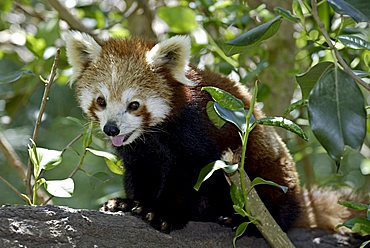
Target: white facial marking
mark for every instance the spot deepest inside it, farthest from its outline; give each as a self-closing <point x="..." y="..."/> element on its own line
<point x="158" y="109"/>
<point x="86" y="97"/>
<point x="104" y="91"/>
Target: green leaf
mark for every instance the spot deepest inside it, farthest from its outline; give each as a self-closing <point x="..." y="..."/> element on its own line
<point x="224" y="98"/>
<point x="308" y="79"/>
<point x="236" y="117"/>
<point x="358" y="225"/>
<point x="295" y="105"/>
<point x="240" y="231"/>
<point x="60" y="188"/>
<point x="286" y="14"/>
<point x="236" y="195"/>
<point x="210" y="168"/>
<point x="259" y="181"/>
<point x="239" y="210"/>
<point x="114" y="164"/>
<point x="9" y="77"/>
<point x="361" y="73"/>
<point x="180" y="19"/>
<point x="284" y="123"/>
<point x="357" y="9"/>
<point x="213" y="116"/>
<point x="257" y="34"/>
<point x="354" y="205"/>
<point x="354" y="42"/>
<point x="363" y="245"/>
<point x="337" y="114"/>
<point x="87" y="136"/>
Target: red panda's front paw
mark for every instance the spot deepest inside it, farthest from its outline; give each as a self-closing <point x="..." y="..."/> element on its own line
<point x="153" y="218"/>
<point x="157" y="222"/>
<point x="119" y="204"/>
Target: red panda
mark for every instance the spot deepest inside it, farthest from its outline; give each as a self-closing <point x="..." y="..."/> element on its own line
<point x="147" y="99"/>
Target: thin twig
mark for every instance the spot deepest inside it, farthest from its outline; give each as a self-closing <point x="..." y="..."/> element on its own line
<point x="72" y="21"/>
<point x="12" y="157"/>
<point x="72" y="142"/>
<point x="12" y="188"/>
<point x="45" y="99"/>
<point x="331" y="45"/>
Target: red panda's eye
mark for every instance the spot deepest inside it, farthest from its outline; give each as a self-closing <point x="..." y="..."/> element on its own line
<point x="133" y="106"/>
<point x="101" y="102"/>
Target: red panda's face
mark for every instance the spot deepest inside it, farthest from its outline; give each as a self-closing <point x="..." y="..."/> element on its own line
<point x="119" y="84"/>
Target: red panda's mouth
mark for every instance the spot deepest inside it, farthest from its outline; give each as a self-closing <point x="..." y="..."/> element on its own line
<point x="118" y="140"/>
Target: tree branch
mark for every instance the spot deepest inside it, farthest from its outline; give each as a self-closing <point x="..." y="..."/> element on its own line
<point x="72" y="21"/>
<point x="331" y="45"/>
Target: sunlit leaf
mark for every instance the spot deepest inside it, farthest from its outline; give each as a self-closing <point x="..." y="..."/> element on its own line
<point x="257" y="34"/>
<point x="44" y="159"/>
<point x="209" y="169"/>
<point x="224" y="98"/>
<point x="180" y="19"/>
<point x="364" y="244"/>
<point x="240" y="231"/>
<point x="354" y="42"/>
<point x="308" y="79"/>
<point x="60" y="188"/>
<point x="9" y="77"/>
<point x="361" y="73"/>
<point x="359" y="14"/>
<point x="284" y="123"/>
<point x="337" y="113"/>
<point x="114" y="164"/>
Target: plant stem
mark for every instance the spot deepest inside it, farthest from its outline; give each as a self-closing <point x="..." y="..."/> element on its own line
<point x="331" y="45"/>
<point x="34" y="191"/>
<point x="248" y="129"/>
<point x="44" y="100"/>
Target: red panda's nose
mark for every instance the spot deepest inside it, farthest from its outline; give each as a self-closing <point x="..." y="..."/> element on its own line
<point x="111" y="129"/>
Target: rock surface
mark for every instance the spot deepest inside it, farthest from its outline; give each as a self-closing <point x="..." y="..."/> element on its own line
<point x="55" y="226"/>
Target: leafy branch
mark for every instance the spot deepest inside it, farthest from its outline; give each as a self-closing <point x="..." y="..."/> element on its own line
<point x="341" y="61"/>
<point x="245" y="198"/>
<point x="44" y="101"/>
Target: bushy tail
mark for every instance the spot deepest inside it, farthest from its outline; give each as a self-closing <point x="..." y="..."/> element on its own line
<point x="321" y="209"/>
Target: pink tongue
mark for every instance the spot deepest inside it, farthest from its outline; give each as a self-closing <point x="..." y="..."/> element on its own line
<point x="118" y="140"/>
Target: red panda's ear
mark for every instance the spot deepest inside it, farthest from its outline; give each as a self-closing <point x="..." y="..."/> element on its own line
<point x="174" y="54"/>
<point x="81" y="50"/>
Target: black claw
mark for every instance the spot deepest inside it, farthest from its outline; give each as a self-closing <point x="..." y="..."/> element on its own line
<point x="165" y="227"/>
<point x="138" y="210"/>
<point x="150" y="216"/>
